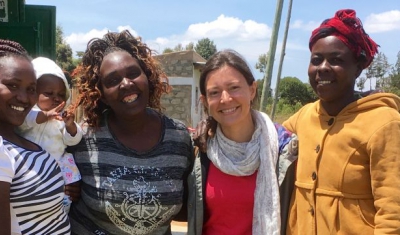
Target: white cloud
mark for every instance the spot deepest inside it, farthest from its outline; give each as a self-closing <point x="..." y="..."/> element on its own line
<point x="78" y="41"/>
<point x="309" y="26"/>
<point x="250" y="38"/>
<point x="129" y="28"/>
<point x="226" y="32"/>
<point x="224" y="27"/>
<point x="383" y="22"/>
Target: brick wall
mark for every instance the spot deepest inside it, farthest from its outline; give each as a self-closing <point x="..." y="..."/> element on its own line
<point x="178" y="102"/>
<point x="178" y="68"/>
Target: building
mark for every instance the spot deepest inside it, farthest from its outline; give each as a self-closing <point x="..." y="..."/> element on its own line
<point x="183" y="69"/>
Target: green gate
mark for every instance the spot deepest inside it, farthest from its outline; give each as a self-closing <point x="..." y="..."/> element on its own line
<point x="33" y="26"/>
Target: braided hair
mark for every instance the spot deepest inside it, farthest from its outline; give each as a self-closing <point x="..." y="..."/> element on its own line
<point x="89" y="81"/>
<point x="11" y="48"/>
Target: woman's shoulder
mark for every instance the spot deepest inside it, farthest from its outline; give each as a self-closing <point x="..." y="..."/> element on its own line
<point x="172" y="123"/>
<point x="176" y="130"/>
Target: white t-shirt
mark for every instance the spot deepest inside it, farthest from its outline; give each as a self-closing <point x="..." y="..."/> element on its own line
<point x="36" y="190"/>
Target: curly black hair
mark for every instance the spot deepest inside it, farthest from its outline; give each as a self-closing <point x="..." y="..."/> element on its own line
<point x="89" y="81"/>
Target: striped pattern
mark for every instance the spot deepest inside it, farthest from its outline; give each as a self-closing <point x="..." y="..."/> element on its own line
<point x="36" y="192"/>
<point x="125" y="192"/>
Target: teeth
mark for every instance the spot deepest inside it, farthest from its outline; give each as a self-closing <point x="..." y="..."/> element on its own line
<point x="130" y="98"/>
<point x="324" y="82"/>
<point x="228" y="110"/>
<point x="21" y="109"/>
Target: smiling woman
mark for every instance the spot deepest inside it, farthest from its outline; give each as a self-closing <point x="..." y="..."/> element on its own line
<point x="234" y="188"/>
<point x="31" y="184"/>
<point x="134" y="160"/>
<point x="347" y="179"/>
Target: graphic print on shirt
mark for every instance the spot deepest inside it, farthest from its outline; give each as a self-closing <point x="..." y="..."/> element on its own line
<point x="141" y="210"/>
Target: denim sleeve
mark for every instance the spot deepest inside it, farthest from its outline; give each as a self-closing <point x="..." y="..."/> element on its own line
<point x="284" y="136"/>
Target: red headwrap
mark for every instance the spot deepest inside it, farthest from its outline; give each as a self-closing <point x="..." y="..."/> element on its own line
<point x="348" y="28"/>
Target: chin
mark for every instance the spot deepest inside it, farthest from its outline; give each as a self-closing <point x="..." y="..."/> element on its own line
<point x="17" y="122"/>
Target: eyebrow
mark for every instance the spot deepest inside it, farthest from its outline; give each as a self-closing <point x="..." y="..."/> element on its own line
<point x="112" y="73"/>
<point x="333" y="53"/>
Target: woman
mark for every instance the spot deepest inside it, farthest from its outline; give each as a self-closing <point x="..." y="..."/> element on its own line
<point x="31" y="183"/>
<point x="133" y="159"/>
<point x="234" y="185"/>
<point x="347" y="179"/>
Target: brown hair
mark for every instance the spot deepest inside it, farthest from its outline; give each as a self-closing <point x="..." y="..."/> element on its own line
<point x="226" y="58"/>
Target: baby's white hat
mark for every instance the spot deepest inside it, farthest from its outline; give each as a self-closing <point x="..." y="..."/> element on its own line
<point x="44" y="66"/>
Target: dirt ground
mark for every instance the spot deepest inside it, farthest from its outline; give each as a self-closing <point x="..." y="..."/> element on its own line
<point x="178" y="228"/>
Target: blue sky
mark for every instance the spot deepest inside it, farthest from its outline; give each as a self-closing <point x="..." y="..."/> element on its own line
<point x="245" y="25"/>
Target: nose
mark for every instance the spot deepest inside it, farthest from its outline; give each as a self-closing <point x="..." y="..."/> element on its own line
<point x="225" y="97"/>
<point x="22" y="96"/>
<point x="57" y="98"/>
<point x="126" y="82"/>
<point x="324" y="66"/>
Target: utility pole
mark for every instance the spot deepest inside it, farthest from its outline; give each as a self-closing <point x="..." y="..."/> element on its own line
<point x="271" y="56"/>
<point x="278" y="79"/>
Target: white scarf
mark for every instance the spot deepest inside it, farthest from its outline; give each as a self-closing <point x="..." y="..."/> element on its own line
<point x="242" y="159"/>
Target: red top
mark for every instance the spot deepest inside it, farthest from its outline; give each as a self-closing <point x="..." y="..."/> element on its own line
<point x="229" y="203"/>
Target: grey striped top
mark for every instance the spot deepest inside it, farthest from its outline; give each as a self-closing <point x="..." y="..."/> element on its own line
<point x="126" y="192"/>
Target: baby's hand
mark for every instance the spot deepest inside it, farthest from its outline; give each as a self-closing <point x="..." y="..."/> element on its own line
<point x="68" y="118"/>
<point x="70" y="126"/>
<point x="55" y="113"/>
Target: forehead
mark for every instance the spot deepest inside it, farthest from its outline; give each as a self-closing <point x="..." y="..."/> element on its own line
<point x="16" y="66"/>
<point x="224" y="75"/>
<point x="49" y="80"/>
<point x="117" y="60"/>
<point x="330" y="44"/>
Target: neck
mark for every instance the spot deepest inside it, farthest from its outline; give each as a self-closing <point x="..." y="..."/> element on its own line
<point x="334" y="108"/>
<point x="240" y="133"/>
<point x="130" y="125"/>
<point x="7" y="131"/>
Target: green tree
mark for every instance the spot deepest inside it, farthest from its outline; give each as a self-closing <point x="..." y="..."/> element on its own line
<point x="260" y="83"/>
<point x="310" y="93"/>
<point x="178" y="47"/>
<point x="379" y="68"/>
<point x="189" y="47"/>
<point x="63" y="51"/>
<point x="394" y="77"/>
<point x="293" y="91"/>
<point x="167" y="50"/>
<point x="206" y="48"/>
<point x="80" y="54"/>
<point x="261" y="64"/>
<point x="369" y="74"/>
<point x="360" y="83"/>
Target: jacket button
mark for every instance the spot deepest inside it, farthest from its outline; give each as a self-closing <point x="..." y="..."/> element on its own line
<point x="311" y="211"/>
<point x="317" y="148"/>
<point x="314" y="176"/>
<point x="330" y="121"/>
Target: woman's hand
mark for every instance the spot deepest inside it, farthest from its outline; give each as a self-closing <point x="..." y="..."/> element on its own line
<point x="5" y="218"/>
<point x="73" y="191"/>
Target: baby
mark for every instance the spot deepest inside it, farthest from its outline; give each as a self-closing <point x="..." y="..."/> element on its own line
<point x="45" y="125"/>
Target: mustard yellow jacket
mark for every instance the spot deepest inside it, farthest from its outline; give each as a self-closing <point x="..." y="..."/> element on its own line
<point x="348" y="170"/>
